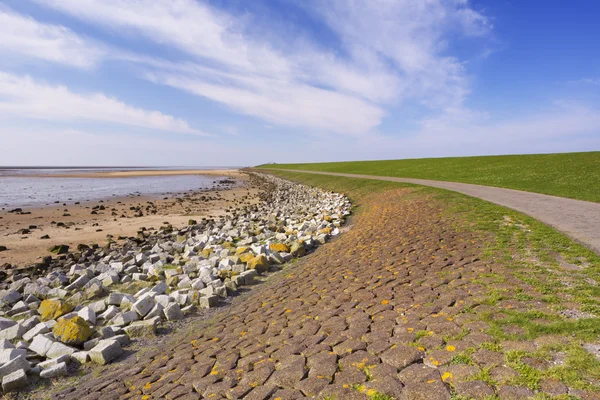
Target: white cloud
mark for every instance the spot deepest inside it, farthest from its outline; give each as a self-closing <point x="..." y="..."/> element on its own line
<point x="23" y="97"/>
<point x="22" y="36"/>
<point x="392" y="51"/>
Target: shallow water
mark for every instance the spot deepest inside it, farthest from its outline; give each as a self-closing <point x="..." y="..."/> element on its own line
<point x="18" y="191"/>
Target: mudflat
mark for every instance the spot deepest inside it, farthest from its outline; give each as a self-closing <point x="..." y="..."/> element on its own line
<point x="133" y="173"/>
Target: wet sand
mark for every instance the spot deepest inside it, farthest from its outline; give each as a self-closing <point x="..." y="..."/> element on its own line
<point x="72" y="224"/>
<point x="234" y="173"/>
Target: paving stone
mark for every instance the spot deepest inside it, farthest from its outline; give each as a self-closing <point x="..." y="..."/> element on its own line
<point x="502" y="374"/>
<point x="401" y="356"/>
<point x="425" y="391"/>
<point x="514" y="392"/>
<point x="473" y="389"/>
<point x="488" y="358"/>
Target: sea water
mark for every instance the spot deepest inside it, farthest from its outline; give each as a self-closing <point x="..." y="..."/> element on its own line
<point x="17" y="190"/>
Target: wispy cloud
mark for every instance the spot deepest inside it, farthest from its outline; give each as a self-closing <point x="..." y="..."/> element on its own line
<point x="24" y="97"/>
<point x="25" y="38"/>
<point x="586" y="81"/>
<point x="393" y="51"/>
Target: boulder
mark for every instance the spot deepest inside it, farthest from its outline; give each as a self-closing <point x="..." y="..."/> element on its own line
<point x="105" y="351"/>
<point x="14" y="332"/>
<point x="73" y="331"/>
<point x="259" y="263"/>
<point x="173" y="312"/>
<point x="54" y="371"/>
<point x="58" y="349"/>
<point x="143" y="305"/>
<point x="53" y="309"/>
<point x="298" y="249"/>
<point x="142" y="328"/>
<point x="14" y="365"/>
<point x="40" y="345"/>
<point x="14" y="381"/>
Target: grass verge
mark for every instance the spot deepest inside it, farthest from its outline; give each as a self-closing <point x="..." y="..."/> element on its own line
<point x="573" y="175"/>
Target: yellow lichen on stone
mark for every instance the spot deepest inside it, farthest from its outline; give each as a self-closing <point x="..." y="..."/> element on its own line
<point x="260" y="263"/>
<point x="72" y="331"/>
<point x="279" y="247"/>
<point x="241" y="250"/>
<point x="246" y="257"/>
<point x="53" y="308"/>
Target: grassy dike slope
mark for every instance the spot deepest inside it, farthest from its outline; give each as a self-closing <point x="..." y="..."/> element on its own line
<point x="552" y="300"/>
<point x="573" y="175"/>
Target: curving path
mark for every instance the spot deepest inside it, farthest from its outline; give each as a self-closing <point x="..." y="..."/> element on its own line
<point x="576" y="218"/>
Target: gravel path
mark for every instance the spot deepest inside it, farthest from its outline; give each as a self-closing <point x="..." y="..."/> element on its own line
<point x="576" y="218"/>
<point x="403" y="304"/>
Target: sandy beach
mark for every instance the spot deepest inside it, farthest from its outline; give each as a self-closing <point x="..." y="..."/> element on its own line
<point x="29" y="236"/>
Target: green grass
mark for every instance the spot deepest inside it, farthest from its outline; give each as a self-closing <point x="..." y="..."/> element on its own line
<point x="573" y="175"/>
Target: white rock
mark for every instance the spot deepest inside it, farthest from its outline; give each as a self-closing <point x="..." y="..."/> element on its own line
<point x="125" y="318"/>
<point x="110" y="313"/>
<point x="88" y="315"/>
<point x="14" y="365"/>
<point x="13" y="332"/>
<point x="81" y="356"/>
<point x="53" y="361"/>
<point x="36" y="330"/>
<point x="173" y="312"/>
<point x="163" y="300"/>
<point x="114" y="299"/>
<point x="14" y="381"/>
<point x="157" y="311"/>
<point x="54" y="371"/>
<point x="7" y="355"/>
<point x="143" y="305"/>
<point x="98" y="306"/>
<point x="31" y="322"/>
<point x="41" y="344"/>
<point x="160" y="288"/>
<point x="105" y="351"/>
<point x="58" y="349"/>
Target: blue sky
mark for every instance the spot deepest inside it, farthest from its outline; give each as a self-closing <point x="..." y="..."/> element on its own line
<point x="189" y="83"/>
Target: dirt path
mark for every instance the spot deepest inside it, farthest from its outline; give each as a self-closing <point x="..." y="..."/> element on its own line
<point x="578" y="219"/>
<point x="400" y="305"/>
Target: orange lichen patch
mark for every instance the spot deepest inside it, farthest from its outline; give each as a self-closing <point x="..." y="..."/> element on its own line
<point x="279" y="247"/>
<point x="431" y="381"/>
<point x="385" y="302"/>
<point x="214" y="372"/>
<point x="288" y="311"/>
<point x="446" y="376"/>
